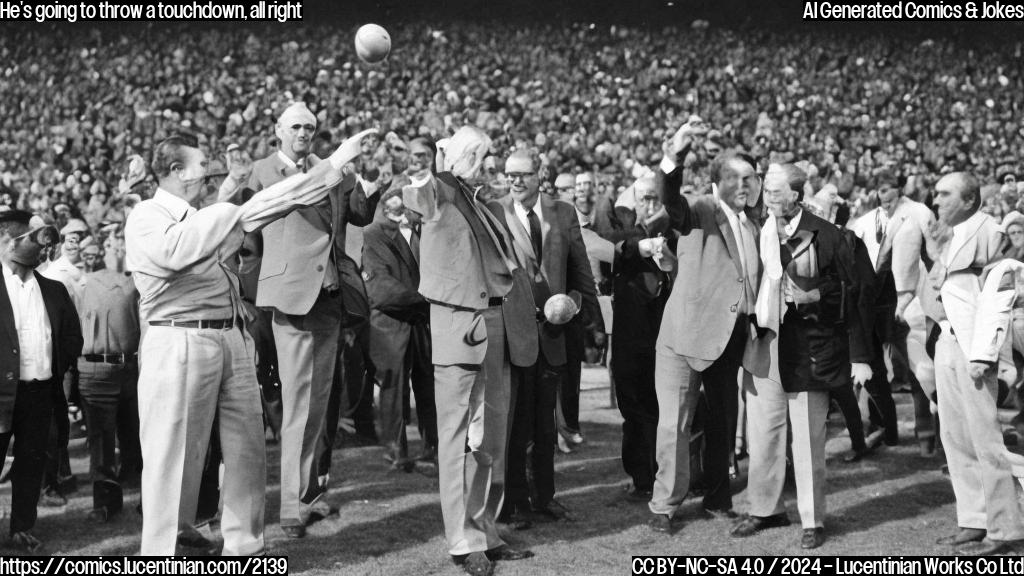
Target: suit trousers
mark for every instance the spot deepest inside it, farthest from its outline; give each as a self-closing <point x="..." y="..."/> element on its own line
<point x="768" y="406"/>
<point x="472" y="425"/>
<point x="30" y="427"/>
<point x="846" y="399"/>
<point x="882" y="408"/>
<point x="110" y="402"/>
<point x="307" y="349"/>
<point x="532" y="441"/>
<point x="569" y="389"/>
<point x="394" y="383"/>
<point x="638" y="404"/>
<point x="678" y="387"/>
<point x="187" y="378"/>
<point x="986" y="497"/>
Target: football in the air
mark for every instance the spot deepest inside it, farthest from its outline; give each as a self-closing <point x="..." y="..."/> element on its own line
<point x="373" y="43"/>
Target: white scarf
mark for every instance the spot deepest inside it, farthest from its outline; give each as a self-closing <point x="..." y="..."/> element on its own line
<point x="769" y="295"/>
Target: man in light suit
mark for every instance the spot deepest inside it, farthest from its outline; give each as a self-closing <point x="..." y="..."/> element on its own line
<point x="482" y="319"/>
<point x="894" y="236"/>
<point x="988" y="517"/>
<point x="706" y="332"/>
<point x="300" y="279"/>
<point x="40" y="340"/>
<point x="548" y="241"/>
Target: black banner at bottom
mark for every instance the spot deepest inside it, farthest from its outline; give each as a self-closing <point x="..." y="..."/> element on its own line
<point x="815" y="565"/>
<point x="142" y="565"/>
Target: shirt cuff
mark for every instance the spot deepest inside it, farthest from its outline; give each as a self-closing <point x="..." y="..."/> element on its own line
<point x="667" y="165"/>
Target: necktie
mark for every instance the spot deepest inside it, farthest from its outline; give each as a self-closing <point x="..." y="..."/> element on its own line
<point x="300" y="165"/>
<point x="535" y="235"/>
<point x="881" y="221"/>
<point x="414" y="243"/>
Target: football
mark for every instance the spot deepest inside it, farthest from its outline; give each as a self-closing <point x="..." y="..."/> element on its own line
<point x="373" y="43"/>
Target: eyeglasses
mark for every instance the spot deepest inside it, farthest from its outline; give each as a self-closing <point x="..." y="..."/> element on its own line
<point x="523" y="175"/>
<point x="307" y="127"/>
<point x="45" y="236"/>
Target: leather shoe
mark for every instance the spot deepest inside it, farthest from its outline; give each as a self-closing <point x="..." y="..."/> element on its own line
<point x="634" y="494"/>
<point x="25" y="541"/>
<point x="751" y="525"/>
<point x="927" y="447"/>
<point x="97" y="515"/>
<point x="812" y="538"/>
<point x="189" y="537"/>
<point x="986" y="547"/>
<point x="506" y="552"/>
<point x="962" y="536"/>
<point x="717" y="514"/>
<point x="294" y="530"/>
<point x="319" y="510"/>
<point x="857" y="455"/>
<point x="515" y="521"/>
<point x="663" y="523"/>
<point x="552" y="512"/>
<point x="476" y="564"/>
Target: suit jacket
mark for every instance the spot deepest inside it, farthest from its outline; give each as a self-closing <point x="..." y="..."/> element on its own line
<point x="903" y="243"/>
<point x="564" y="265"/>
<point x="952" y="290"/>
<point x="831" y="333"/>
<point x="702" y="308"/>
<point x="461" y="267"/>
<point x="297" y="248"/>
<point x="67" y="342"/>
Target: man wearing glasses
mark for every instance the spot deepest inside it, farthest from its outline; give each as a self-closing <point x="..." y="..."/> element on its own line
<point x="41" y="341"/>
<point x="301" y="280"/>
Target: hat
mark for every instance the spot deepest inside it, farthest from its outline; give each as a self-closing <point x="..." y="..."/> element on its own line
<point x="19" y="216"/>
<point x="74" y="225"/>
<point x="564" y="180"/>
<point x="1010" y="219"/>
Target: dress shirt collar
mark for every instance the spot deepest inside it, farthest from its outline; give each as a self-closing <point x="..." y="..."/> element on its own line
<point x="583" y="218"/>
<point x="177" y="206"/>
<point x="291" y="163"/>
<point x="793" y="223"/>
<point x="10" y="276"/>
<point x="523" y="213"/>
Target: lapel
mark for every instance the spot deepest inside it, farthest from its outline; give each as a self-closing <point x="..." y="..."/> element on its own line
<point x="7" y="312"/>
<point x="730" y="239"/>
<point x="547" y="209"/>
<point x="398" y="243"/>
<point x="520" y="235"/>
<point x="963" y="255"/>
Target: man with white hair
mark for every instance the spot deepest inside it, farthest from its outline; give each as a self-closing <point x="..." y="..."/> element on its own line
<point x="300" y="280"/>
<point x="482" y="319"/>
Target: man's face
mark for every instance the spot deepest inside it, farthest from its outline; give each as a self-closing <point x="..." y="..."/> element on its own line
<point x="779" y="198"/>
<point x="949" y="203"/>
<point x="1016" y="234"/>
<point x="585" y="187"/>
<point x="193" y="174"/>
<point x="648" y="202"/>
<point x="564" y="193"/>
<point x="583" y="199"/>
<point x="420" y="157"/>
<point x="888" y="194"/>
<point x="296" y="138"/>
<point x="394" y="209"/>
<point x="91" y="257"/>
<point x="738" y="183"/>
<point x="70" y="247"/>
<point x="711" y="149"/>
<point x="524" y="185"/>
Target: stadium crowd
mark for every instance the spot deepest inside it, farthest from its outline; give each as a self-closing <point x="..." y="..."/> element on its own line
<point x="175" y="188"/>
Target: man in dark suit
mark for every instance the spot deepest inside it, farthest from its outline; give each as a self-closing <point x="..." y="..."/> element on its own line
<point x="482" y="320"/>
<point x="808" y="298"/>
<point x="41" y="340"/>
<point x="548" y="241"/>
<point x="399" y="333"/>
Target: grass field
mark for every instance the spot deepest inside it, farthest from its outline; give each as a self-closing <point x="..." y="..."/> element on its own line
<point x="894" y="503"/>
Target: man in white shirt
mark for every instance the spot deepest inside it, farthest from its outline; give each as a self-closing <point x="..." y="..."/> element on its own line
<point x="42" y="338"/>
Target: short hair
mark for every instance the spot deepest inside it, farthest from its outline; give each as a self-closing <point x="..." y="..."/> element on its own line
<point x="887" y="176"/>
<point x="795" y="177"/>
<point x="969" y="188"/>
<point x="720" y="161"/>
<point x="530" y="154"/>
<point x="169" y="154"/>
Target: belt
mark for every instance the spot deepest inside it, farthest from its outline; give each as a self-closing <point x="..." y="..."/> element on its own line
<point x="491" y="303"/>
<point x="110" y="358"/>
<point x="496" y="301"/>
<point x="200" y="324"/>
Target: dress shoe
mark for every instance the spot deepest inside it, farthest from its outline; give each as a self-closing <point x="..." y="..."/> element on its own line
<point x="986" y="547"/>
<point x="750" y="525"/>
<point x="426" y="467"/>
<point x="294" y="530"/>
<point x="506" y="552"/>
<point x="563" y="445"/>
<point x="189" y="537"/>
<point x="52" y="499"/>
<point x="551" y="512"/>
<point x="663" y="523"/>
<point x="576" y="439"/>
<point x="476" y="564"/>
<point x="857" y="455"/>
<point x="514" y="518"/>
<point x="962" y="536"/>
<point x="812" y="538"/>
<point x="639" y="495"/>
<point x="97" y="515"/>
<point x="25" y="541"/>
<point x="319" y="510"/>
<point x="719" y="514"/>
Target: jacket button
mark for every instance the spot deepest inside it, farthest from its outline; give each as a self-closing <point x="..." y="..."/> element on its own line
<point x="740" y="280"/>
<point x="732" y="308"/>
<point x="483" y="294"/>
<point x="15" y="351"/>
<point x="319" y="268"/>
